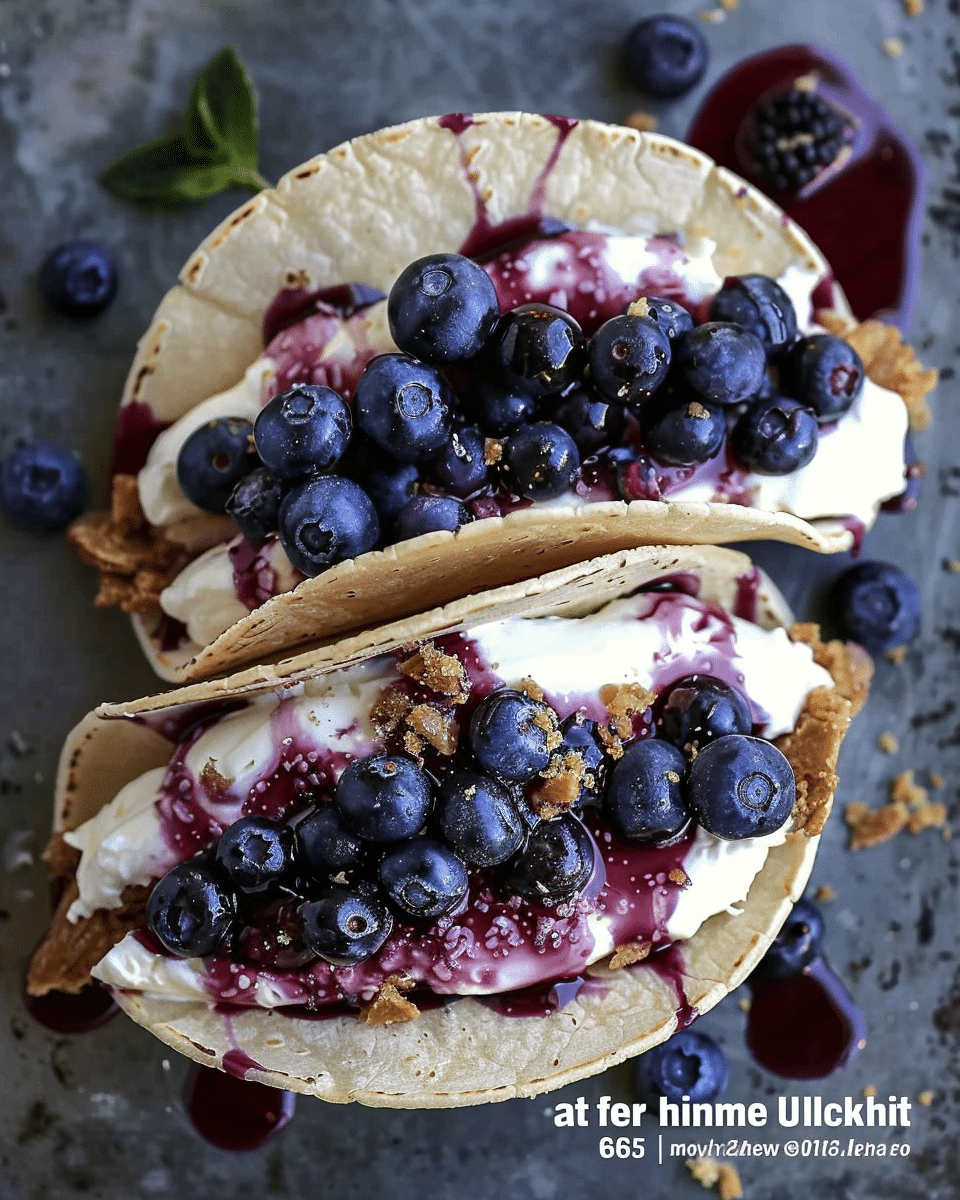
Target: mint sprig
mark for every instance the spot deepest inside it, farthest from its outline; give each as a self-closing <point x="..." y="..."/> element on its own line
<point x="213" y="148"/>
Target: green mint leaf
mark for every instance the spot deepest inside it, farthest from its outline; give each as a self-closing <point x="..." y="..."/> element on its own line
<point x="215" y="146"/>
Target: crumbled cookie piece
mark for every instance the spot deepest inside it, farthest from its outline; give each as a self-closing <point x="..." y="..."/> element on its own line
<point x="547" y="721"/>
<point x="442" y="673"/>
<point x="926" y="1098"/>
<point x="639" y="308"/>
<point x="850" y="666"/>
<point x="937" y="781"/>
<point x="825" y="893"/>
<point x="437" y="729"/>
<point x="643" y="122"/>
<point x="813" y="748"/>
<point x="952" y="565"/>
<point x="744" y="1004"/>
<point x="897" y="654"/>
<point x="888" y="743"/>
<point x="629" y="953"/>
<point x="679" y="876"/>
<point x="622" y="701"/>
<point x="389" y="1006"/>
<point x="212" y="780"/>
<point x="893" y="46"/>
<point x="923" y="813"/>
<point x="721" y="1175"/>
<point x="390" y="710"/>
<point x="873" y="826"/>
<point x="612" y="745"/>
<point x="135" y="560"/>
<point x="563" y="778"/>
<point x="913" y="8"/>
<point x="713" y="16"/>
<point x="869" y="1091"/>
<point x="531" y="688"/>
<point x="492" y="451"/>
<point x="888" y="361"/>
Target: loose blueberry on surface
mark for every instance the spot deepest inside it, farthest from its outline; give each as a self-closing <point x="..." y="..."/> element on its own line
<point x="513" y="736"/>
<point x="42" y="487"/>
<point x="824" y="373"/>
<point x="404" y="407"/>
<point x="540" y="349"/>
<point x="79" y="278"/>
<point x="214" y="459"/>
<point x="255" y="853"/>
<point x="759" y="304"/>
<point x="384" y="798"/>
<point x="478" y="817"/>
<point x="498" y="407"/>
<point x="426" y="514"/>
<point x="442" y="308"/>
<point x="190" y="911"/>
<point x="254" y="504"/>
<point x="645" y="798"/>
<point x="460" y="468"/>
<point x="424" y="878"/>
<point x="721" y="362"/>
<point x="324" y="846"/>
<point x="388" y="483"/>
<point x="555" y="865"/>
<point x="793" y="136"/>
<point x="303" y="431"/>
<point x="665" y="56"/>
<point x="698" y="709"/>
<point x="689" y="1066"/>
<point x="346" y="925"/>
<point x="795" y="946"/>
<point x="541" y="460"/>
<point x="580" y="737"/>
<point x="629" y="359"/>
<point x="775" y="436"/>
<point x="681" y="431"/>
<point x="877" y="605"/>
<point x="327" y="520"/>
<point x="740" y="787"/>
<point x="669" y="316"/>
<point x="591" y="422"/>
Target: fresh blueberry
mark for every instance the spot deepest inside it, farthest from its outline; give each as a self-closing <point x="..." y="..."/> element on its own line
<point x="254" y="504"/>
<point x="541" y="460"/>
<point x="424" y="878"/>
<point x="388" y="483"/>
<point x="759" y="304"/>
<point x="347" y="924"/>
<point x="42" y="487"/>
<point x="478" y="817"/>
<point x="540" y="349"/>
<point x="442" y="308"/>
<point x="426" y="514"/>
<point x="681" y="430"/>
<point x="740" y="786"/>
<point x="255" y="853"/>
<point x="497" y="406"/>
<point x="513" y="736"/>
<point x="384" y="798"/>
<point x="323" y="845"/>
<point x="877" y="605"/>
<point x="591" y="422"/>
<point x="796" y="945"/>
<point x="665" y="56"/>
<point x="556" y="863"/>
<point x="460" y="468"/>
<point x="325" y="521"/>
<point x="645" y="796"/>
<point x="580" y="737"/>
<point x="79" y="278"/>
<point x="303" y="431"/>
<point x="824" y="373"/>
<point x="190" y="910"/>
<point x="775" y="436"/>
<point x="721" y="362"/>
<point x="214" y="459"/>
<point x="629" y="359"/>
<point x="404" y="406"/>
<point x="698" y="708"/>
<point x="669" y="316"/>
<point x="689" y="1066"/>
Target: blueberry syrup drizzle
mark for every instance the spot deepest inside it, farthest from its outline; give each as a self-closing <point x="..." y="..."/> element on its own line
<point x="748" y="587"/>
<point x="804" y="1027"/>
<point x="294" y="304"/>
<point x="80" y="1012"/>
<point x="233" y="1113"/>
<point x="872" y="246"/>
<point x="254" y="578"/>
<point x="137" y="430"/>
<point x="915" y="471"/>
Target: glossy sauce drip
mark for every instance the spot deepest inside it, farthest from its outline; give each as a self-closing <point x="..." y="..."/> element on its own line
<point x="81" y="1012"/>
<point x="669" y="966"/>
<point x="298" y="355"/>
<point x="233" y="1113"/>
<point x="865" y="214"/>
<point x="295" y="304"/>
<point x="748" y="586"/>
<point x="858" y="531"/>
<point x="254" y="578"/>
<point x="137" y="430"/>
<point x="804" y="1027"/>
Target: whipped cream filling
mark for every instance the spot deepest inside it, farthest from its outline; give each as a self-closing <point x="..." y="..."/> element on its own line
<point x="327" y="724"/>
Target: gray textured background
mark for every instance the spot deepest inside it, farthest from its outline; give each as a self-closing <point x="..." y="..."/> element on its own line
<point x="82" y="81"/>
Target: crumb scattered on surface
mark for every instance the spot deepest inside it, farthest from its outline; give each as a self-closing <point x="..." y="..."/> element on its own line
<point x="437" y="729"/>
<point x="630" y="952"/>
<point x="937" y="781"/>
<point x="721" y="1175"/>
<point x="744" y="1003"/>
<point x="713" y="16"/>
<point x="825" y="893"/>
<point x="643" y="122"/>
<point x="953" y="565"/>
<point x="913" y="8"/>
<point x="910" y="808"/>
<point x="923" y="812"/>
<point x="888" y="743"/>
<point x="893" y="46"/>
<point x="19" y="746"/>
<point x="926" y="1098"/>
<point x="897" y="655"/>
<point x="730" y="5"/>
<point x="869" y="1090"/>
<point x="389" y="1006"/>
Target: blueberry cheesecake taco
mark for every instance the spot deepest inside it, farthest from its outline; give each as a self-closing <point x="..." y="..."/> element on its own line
<point x="464" y="351"/>
<point x="474" y="854"/>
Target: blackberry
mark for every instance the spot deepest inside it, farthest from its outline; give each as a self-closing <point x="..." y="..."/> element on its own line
<point x="793" y="136"/>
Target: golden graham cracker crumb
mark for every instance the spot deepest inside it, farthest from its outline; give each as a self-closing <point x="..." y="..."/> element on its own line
<point x="639" y="308"/>
<point x="389" y="1006"/>
<point x="442" y="673"/>
<point x="869" y="1091"/>
<point x="212" y="780"/>
<point x="492" y="451"/>
<point x="913" y="8"/>
<point x="893" y="46"/>
<point x="953" y="565"/>
<point x="712" y="16"/>
<point x="621" y="701"/>
<point x="643" y="122"/>
<point x="531" y="688"/>
<point x="730" y="5"/>
<point x="629" y="953"/>
<point x="937" y="781"/>
<point x="873" y="826"/>
<point x="679" y="877"/>
<point x="888" y="743"/>
<point x="721" y="1175"/>
<point x="563" y="780"/>
<point x="438" y="729"/>
<point x="825" y="893"/>
<point x="744" y="1003"/>
<point x="926" y="1098"/>
<point x="612" y="745"/>
<point x="897" y="655"/>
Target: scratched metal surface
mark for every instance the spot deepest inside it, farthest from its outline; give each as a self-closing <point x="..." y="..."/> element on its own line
<point x="82" y="81"/>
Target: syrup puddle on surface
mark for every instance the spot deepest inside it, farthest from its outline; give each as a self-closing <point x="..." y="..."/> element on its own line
<point x="82" y="1012"/>
<point x="804" y="1027"/>
<point x="233" y="1113"/>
